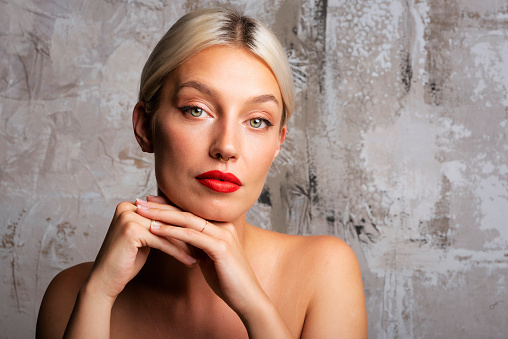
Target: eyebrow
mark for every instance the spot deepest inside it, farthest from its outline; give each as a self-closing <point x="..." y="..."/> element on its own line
<point x="197" y="85"/>
<point x="264" y="98"/>
<point x="201" y="87"/>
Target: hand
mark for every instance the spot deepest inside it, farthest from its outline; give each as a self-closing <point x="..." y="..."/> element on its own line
<point x="222" y="260"/>
<point x="125" y="250"/>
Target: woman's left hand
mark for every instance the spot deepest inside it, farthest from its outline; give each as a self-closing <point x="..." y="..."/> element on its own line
<point x="223" y="263"/>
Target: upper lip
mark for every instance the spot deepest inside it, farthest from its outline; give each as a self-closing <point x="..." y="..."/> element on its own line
<point x="218" y="175"/>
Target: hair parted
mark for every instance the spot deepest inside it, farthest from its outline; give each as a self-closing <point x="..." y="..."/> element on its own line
<point x="200" y="29"/>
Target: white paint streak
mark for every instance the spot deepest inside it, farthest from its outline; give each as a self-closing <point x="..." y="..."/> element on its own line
<point x="492" y="194"/>
<point x="491" y="63"/>
<point x="406" y="169"/>
<point x="454" y="172"/>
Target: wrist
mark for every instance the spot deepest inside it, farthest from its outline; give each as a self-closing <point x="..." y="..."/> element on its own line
<point x="256" y="313"/>
<point x="92" y="291"/>
<point x="91" y="307"/>
<point x="263" y="320"/>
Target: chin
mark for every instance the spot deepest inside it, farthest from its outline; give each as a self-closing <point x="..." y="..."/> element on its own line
<point x="222" y="213"/>
<point x="215" y="209"/>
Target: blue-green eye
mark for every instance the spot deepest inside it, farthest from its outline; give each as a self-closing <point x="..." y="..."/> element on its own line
<point x="256" y="122"/>
<point x="195" y="111"/>
<point x="259" y="123"/>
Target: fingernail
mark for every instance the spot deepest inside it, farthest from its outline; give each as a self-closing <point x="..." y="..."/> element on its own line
<point x="140" y="201"/>
<point x="141" y="207"/>
<point x="155" y="225"/>
<point x="192" y="260"/>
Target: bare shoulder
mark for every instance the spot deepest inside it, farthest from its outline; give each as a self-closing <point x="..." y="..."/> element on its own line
<point x="318" y="245"/>
<point x="59" y="300"/>
<point x="323" y="259"/>
<point x="336" y="306"/>
<point x="317" y="252"/>
<point x="329" y="255"/>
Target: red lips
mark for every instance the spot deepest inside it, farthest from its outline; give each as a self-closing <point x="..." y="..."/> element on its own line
<point x="219" y="181"/>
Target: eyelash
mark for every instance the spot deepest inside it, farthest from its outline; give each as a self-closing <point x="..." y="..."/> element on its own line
<point x="266" y="121"/>
<point x="187" y="109"/>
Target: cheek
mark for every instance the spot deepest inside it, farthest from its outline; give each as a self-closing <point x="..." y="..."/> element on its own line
<point x="173" y="142"/>
<point x="261" y="156"/>
<point x="168" y="147"/>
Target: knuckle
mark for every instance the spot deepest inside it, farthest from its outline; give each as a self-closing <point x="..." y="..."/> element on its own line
<point x="229" y="238"/>
<point x="124" y="217"/>
<point x="123" y="206"/>
<point x="130" y="229"/>
<point x="230" y="235"/>
<point x="230" y="228"/>
<point x="222" y="246"/>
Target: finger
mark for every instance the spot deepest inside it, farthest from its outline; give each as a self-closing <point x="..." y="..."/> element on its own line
<point x="188" y="235"/>
<point x="142" y="204"/>
<point x="158" y="199"/>
<point x="146" y="224"/>
<point x="167" y="246"/>
<point x="151" y="204"/>
<point x="180" y="244"/>
<point x="178" y="218"/>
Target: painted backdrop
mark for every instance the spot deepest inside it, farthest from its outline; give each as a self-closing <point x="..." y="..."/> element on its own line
<point x="398" y="146"/>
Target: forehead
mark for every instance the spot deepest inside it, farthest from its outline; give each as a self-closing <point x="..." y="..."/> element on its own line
<point x="228" y="69"/>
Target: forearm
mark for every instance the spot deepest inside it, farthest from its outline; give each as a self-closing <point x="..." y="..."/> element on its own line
<point x="91" y="315"/>
<point x="264" y="321"/>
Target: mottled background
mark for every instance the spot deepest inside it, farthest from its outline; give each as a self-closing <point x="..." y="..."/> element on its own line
<point x="398" y="146"/>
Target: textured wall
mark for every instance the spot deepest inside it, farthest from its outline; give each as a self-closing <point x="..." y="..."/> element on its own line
<point x="398" y="146"/>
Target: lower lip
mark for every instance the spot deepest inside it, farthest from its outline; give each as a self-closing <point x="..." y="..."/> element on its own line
<point x="219" y="186"/>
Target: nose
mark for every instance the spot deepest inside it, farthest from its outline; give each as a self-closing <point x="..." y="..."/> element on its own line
<point x="225" y="143"/>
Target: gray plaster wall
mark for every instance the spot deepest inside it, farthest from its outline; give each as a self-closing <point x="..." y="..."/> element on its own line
<point x="398" y="146"/>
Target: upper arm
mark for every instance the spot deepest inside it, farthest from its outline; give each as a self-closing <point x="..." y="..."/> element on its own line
<point x="58" y="301"/>
<point x="337" y="306"/>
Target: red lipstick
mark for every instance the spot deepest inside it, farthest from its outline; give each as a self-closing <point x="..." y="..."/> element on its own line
<point x="219" y="181"/>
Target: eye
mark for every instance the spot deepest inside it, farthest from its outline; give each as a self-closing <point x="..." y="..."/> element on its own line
<point x="195" y="111"/>
<point x="259" y="123"/>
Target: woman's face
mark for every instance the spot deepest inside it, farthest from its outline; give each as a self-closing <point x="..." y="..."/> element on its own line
<point x="222" y="103"/>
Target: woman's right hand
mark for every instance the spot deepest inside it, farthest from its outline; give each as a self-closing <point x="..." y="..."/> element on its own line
<point x="125" y="250"/>
<point x="122" y="255"/>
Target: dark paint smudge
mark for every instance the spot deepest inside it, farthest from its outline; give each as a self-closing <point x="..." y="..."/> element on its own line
<point x="406" y="70"/>
<point x="264" y="197"/>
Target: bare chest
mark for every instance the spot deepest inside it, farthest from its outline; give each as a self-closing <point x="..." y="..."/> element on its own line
<point x="175" y="320"/>
<point x="137" y="315"/>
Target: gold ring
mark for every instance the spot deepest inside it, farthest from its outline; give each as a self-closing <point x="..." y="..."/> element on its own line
<point x="152" y="223"/>
<point x="220" y="158"/>
<point x="206" y="223"/>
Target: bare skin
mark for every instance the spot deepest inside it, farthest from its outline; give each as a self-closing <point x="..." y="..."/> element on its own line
<point x="201" y="271"/>
<point x="318" y="295"/>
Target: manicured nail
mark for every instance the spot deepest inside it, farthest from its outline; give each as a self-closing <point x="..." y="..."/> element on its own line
<point x="141" y="207"/>
<point x="192" y="260"/>
<point x="140" y="201"/>
<point x="154" y="225"/>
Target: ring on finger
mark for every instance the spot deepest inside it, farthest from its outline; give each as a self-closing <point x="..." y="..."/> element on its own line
<point x="206" y="223"/>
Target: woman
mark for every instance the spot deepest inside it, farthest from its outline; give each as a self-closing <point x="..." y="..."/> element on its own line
<point x="215" y="96"/>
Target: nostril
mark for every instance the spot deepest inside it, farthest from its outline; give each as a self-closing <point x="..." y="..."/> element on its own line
<point x="222" y="159"/>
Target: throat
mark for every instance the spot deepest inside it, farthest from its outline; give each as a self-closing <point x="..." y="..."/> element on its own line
<point x="162" y="273"/>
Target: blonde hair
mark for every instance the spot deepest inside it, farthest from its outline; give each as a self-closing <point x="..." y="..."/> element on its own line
<point x="200" y="29"/>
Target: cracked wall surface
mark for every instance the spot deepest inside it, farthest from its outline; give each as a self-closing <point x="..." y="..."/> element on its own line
<point x="398" y="145"/>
